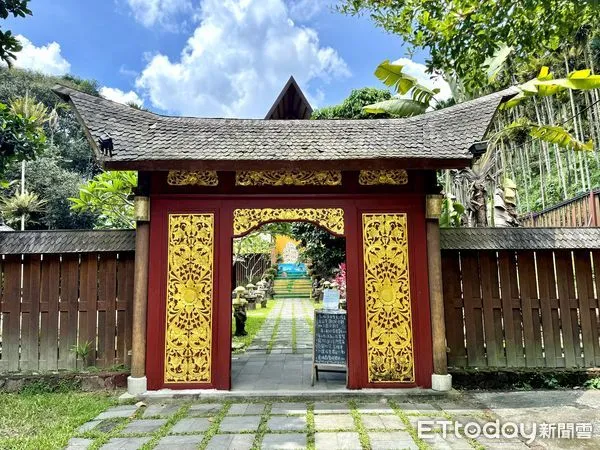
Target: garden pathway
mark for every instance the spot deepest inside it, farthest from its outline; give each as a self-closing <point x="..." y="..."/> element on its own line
<point x="367" y="423"/>
<point x="280" y="356"/>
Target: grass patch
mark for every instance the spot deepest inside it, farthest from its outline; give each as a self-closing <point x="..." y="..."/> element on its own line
<point x="262" y="427"/>
<point x="363" y="437"/>
<point x="409" y="428"/>
<point x="214" y="426"/>
<point x="274" y="334"/>
<point x="254" y="322"/>
<point x="164" y="430"/>
<point x="310" y="424"/>
<point x="46" y="421"/>
<point x="294" y="343"/>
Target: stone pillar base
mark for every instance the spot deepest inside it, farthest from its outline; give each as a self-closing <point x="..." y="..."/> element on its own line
<point x="441" y="383"/>
<point x="137" y="386"/>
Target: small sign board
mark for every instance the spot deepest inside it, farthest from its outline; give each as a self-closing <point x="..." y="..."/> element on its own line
<point x="331" y="298"/>
<point x="330" y="342"/>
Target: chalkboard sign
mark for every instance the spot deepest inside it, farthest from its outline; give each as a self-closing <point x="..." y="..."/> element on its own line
<point x="330" y="340"/>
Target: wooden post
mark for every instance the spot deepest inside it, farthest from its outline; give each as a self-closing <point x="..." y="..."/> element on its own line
<point x="137" y="382"/>
<point x="436" y="298"/>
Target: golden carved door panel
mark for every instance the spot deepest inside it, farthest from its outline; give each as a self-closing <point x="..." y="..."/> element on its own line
<point x="387" y="298"/>
<point x="188" y="329"/>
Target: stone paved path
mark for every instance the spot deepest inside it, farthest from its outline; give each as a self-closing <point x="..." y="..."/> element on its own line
<point x="280" y="356"/>
<point x="366" y="423"/>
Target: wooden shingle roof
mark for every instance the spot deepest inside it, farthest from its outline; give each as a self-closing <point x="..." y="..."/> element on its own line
<point x="143" y="140"/>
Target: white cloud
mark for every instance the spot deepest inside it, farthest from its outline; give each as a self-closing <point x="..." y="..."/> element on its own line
<point x="237" y="61"/>
<point x="117" y="95"/>
<point x="305" y="9"/>
<point x="417" y="70"/>
<point x="46" y="59"/>
<point x="159" y="12"/>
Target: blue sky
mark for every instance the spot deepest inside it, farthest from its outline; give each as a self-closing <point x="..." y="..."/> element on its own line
<point x="211" y="58"/>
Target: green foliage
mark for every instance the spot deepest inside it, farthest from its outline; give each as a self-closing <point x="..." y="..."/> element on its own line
<point x="461" y="35"/>
<point x="352" y="107"/>
<point x="392" y="75"/>
<point x="256" y="242"/>
<point x="9" y="45"/>
<point x="321" y="249"/>
<point x="452" y="212"/>
<point x="108" y="195"/>
<point x="21" y="138"/>
<point x="549" y="133"/>
<point x="593" y="383"/>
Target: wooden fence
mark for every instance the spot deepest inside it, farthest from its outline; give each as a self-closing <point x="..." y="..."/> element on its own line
<point x="522" y="297"/>
<point x="65" y="295"/>
<point x="580" y="211"/>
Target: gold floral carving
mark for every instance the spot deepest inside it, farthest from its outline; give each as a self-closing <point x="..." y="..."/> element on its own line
<point x="188" y="336"/>
<point x="331" y="219"/>
<point x="387" y="298"/>
<point x="372" y="177"/>
<point x="293" y="177"/>
<point x="193" y="178"/>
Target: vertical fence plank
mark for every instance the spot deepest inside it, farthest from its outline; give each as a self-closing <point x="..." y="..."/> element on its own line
<point x="49" y="296"/>
<point x="107" y="302"/>
<point x="587" y="307"/>
<point x="595" y="306"/>
<point x="30" y="312"/>
<point x="453" y="309"/>
<point x="125" y="271"/>
<point x="88" y="291"/>
<point x="473" y="306"/>
<point x="568" y="316"/>
<point x="68" y="320"/>
<point x="11" y="299"/>
<point x="492" y="311"/>
<point x="511" y="309"/>
<point x="530" y="305"/>
<point x="549" y="308"/>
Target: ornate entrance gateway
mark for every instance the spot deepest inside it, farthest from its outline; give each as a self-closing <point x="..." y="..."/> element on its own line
<point x="203" y="182"/>
<point x="190" y="314"/>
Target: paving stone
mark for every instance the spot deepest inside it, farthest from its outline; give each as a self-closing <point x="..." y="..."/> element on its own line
<point x="204" y="409"/>
<point x="394" y="440"/>
<point x="162" y="410"/>
<point x="334" y="422"/>
<point x="337" y="441"/>
<point x="288" y="408"/>
<point x="240" y="424"/>
<point x="189" y="442"/>
<point x="231" y="442"/>
<point x="434" y="422"/>
<point x="332" y="408"/>
<point x="450" y="442"/>
<point x="375" y="408"/>
<point x="284" y="441"/>
<point x="79" y="444"/>
<point x="243" y="409"/>
<point x="141" y="426"/>
<point x="382" y="421"/>
<point x="191" y="425"/>
<point x="294" y="423"/>
<point x="117" y="411"/>
<point x="417" y="408"/>
<point x="132" y="443"/>
<point x="88" y="426"/>
<point x="107" y="425"/>
<point x="512" y="444"/>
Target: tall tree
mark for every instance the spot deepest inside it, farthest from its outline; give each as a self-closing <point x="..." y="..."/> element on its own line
<point x="460" y="35"/>
<point x="9" y="45"/>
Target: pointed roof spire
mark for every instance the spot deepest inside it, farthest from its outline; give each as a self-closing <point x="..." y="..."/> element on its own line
<point x="290" y="104"/>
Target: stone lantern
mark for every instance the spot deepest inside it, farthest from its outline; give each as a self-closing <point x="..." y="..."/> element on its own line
<point x="251" y="295"/>
<point x="261" y="292"/>
<point x="239" y="310"/>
